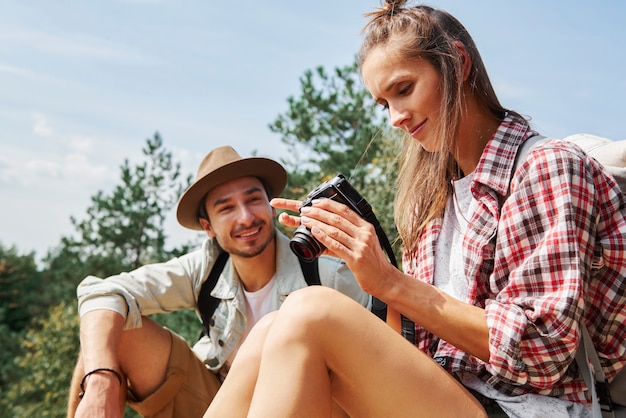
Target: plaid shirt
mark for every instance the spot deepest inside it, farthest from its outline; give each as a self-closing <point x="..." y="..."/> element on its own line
<point x="539" y="261"/>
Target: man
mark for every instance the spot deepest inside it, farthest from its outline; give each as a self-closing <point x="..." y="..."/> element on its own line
<point x="126" y="357"/>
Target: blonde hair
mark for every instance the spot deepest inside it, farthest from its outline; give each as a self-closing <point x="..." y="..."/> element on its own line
<point x="421" y="32"/>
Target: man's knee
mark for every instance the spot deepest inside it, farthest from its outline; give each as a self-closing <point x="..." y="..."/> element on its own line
<point x="144" y="355"/>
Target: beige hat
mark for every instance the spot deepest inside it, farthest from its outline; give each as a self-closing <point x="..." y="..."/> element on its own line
<point x="219" y="166"/>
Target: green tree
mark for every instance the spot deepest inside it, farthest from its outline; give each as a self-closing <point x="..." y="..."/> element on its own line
<point x="22" y="290"/>
<point x="332" y="127"/>
<point x="329" y="128"/>
<point x="23" y="296"/>
<point x="125" y="229"/>
<point x="48" y="353"/>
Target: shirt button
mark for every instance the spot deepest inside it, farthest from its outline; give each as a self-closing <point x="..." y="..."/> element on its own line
<point x="212" y="322"/>
<point x="221" y="343"/>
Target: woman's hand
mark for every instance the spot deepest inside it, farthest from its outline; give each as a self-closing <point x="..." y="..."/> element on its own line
<point x="290" y="205"/>
<point x="345" y="235"/>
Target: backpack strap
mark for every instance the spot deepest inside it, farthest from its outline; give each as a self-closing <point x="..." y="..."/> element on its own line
<point x="524" y="149"/>
<point x="592" y="373"/>
<point x="207" y="304"/>
<point x="311" y="272"/>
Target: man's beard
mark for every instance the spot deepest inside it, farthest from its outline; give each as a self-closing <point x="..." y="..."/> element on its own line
<point x="253" y="251"/>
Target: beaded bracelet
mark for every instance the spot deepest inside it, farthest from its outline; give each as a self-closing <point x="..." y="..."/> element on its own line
<point x="102" y="369"/>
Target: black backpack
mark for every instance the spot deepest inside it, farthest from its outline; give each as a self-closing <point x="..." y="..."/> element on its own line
<point x="207" y="303"/>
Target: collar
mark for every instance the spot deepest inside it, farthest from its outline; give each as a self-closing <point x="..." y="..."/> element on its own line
<point x="496" y="163"/>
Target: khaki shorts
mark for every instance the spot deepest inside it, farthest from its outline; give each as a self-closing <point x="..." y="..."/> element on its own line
<point x="187" y="391"/>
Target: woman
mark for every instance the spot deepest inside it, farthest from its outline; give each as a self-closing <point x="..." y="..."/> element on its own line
<point x="510" y="259"/>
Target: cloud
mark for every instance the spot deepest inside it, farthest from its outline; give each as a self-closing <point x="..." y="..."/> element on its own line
<point x="81" y="169"/>
<point x="54" y="159"/>
<point x="41" y="127"/>
<point x="66" y="44"/>
<point x="29" y="74"/>
<point x="76" y="143"/>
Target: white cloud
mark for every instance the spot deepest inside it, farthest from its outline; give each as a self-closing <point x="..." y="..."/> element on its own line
<point x="41" y="126"/>
<point x="53" y="160"/>
<point x="41" y="169"/>
<point x="29" y="74"/>
<point x="80" y="143"/>
<point x="66" y="44"/>
<point x="80" y="169"/>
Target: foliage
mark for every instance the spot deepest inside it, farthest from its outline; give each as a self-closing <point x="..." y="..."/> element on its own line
<point x="49" y="353"/>
<point x="123" y="229"/>
<point x="24" y="294"/>
<point x="328" y="129"/>
<point x="21" y="288"/>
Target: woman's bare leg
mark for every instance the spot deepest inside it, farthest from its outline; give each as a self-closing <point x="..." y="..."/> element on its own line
<point x="236" y="392"/>
<point x="323" y="346"/>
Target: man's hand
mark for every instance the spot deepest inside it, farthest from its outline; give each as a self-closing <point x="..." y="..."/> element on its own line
<point x="102" y="398"/>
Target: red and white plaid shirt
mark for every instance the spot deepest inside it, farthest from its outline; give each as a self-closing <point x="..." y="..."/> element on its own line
<point x="552" y="254"/>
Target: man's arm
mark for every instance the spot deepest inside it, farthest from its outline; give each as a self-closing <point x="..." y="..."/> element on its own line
<point x="140" y="356"/>
<point x="100" y="335"/>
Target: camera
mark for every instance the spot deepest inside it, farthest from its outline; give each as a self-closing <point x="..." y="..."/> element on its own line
<point x="303" y="244"/>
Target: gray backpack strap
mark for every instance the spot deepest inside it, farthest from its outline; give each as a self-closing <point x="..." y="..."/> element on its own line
<point x="524" y="149"/>
<point x="591" y="370"/>
<point x="520" y="157"/>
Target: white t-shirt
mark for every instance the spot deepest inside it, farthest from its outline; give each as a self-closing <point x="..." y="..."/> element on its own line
<point x="449" y="274"/>
<point x="258" y="304"/>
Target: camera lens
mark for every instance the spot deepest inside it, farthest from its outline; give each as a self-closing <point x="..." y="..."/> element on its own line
<point x="304" y="245"/>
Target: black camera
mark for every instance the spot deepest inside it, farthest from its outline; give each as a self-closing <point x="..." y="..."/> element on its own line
<point x="303" y="244"/>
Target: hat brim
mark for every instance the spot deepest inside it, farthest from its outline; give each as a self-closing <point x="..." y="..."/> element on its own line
<point x="268" y="170"/>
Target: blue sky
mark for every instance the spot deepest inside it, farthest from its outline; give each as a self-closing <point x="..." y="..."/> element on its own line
<point x="84" y="83"/>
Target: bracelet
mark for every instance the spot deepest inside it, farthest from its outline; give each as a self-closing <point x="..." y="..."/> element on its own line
<point x="102" y="369"/>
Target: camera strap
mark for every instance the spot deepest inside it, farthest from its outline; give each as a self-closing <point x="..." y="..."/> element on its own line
<point x="379" y="308"/>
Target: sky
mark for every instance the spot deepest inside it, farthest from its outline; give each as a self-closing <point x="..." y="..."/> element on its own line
<point x="84" y="83"/>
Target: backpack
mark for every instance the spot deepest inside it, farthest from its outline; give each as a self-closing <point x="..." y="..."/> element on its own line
<point x="608" y="398"/>
<point x="207" y="303"/>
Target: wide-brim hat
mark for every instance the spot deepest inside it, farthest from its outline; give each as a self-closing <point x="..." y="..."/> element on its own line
<point x="219" y="166"/>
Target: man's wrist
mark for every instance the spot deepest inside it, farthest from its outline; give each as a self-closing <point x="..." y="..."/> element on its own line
<point x="101" y="371"/>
